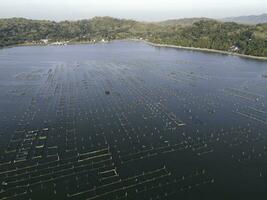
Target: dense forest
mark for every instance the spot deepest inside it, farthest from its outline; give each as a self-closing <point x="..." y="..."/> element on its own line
<point x="203" y="33"/>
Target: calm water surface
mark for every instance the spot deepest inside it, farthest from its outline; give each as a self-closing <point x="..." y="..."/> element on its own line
<point x="125" y="120"/>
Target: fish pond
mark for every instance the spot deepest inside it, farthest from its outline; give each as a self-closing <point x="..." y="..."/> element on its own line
<point x="126" y="120"/>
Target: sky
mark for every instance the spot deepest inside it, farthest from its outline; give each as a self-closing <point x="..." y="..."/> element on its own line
<point x="143" y="10"/>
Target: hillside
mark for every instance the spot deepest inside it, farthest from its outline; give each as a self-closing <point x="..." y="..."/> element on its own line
<point x="250" y="20"/>
<point x="211" y="34"/>
<point x="183" y="21"/>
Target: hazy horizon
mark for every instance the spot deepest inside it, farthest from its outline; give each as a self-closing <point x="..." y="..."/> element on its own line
<point x="144" y="10"/>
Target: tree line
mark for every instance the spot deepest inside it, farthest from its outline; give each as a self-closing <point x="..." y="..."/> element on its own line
<point x="211" y="34"/>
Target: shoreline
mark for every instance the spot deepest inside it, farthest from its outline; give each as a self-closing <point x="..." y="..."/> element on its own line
<point x="151" y="44"/>
<point x="206" y="50"/>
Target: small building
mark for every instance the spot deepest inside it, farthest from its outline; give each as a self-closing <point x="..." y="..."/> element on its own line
<point x="234" y="48"/>
<point x="44" y="41"/>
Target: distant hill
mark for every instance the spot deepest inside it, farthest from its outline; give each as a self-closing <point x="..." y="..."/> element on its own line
<point x="252" y="19"/>
<point x="183" y="21"/>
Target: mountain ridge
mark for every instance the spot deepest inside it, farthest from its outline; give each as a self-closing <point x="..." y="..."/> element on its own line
<point x="249" y="19"/>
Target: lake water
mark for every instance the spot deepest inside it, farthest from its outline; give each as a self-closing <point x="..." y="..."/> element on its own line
<point x="125" y="120"/>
